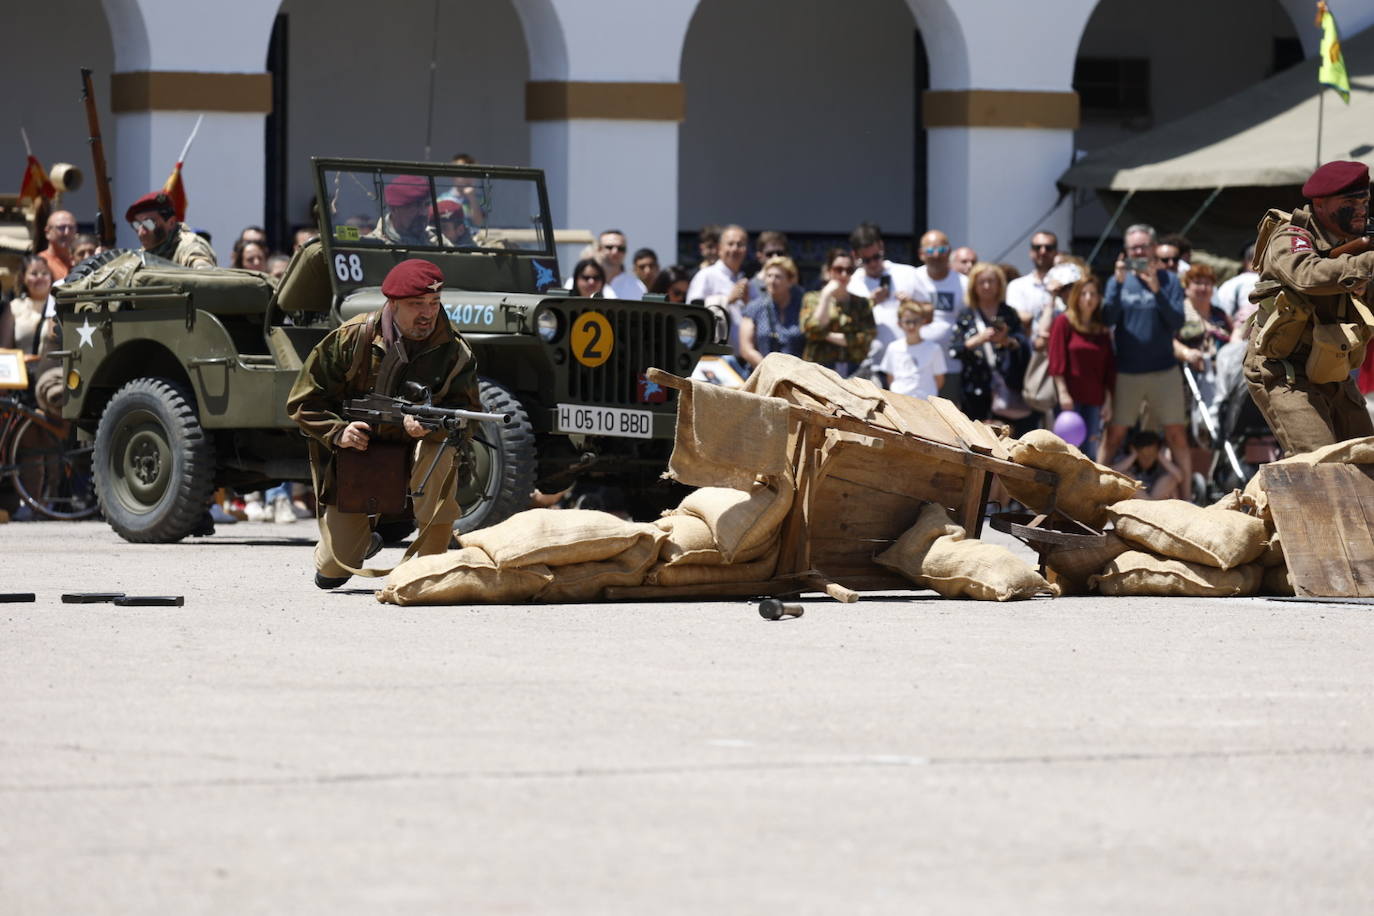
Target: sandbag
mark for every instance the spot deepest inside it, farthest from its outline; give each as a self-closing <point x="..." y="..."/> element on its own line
<point x="1273" y="553"/>
<point x="1277" y="581"/>
<point x="759" y="570"/>
<point x="587" y="581"/>
<point x="934" y="553"/>
<point x="689" y="542"/>
<point x="1235" y="501"/>
<point x="1136" y="572"/>
<point x="738" y="520"/>
<point x="1178" y="529"/>
<point x="558" y="537"/>
<point x="1073" y="566"/>
<point x="466" y="576"/>
<point x="1086" y="488"/>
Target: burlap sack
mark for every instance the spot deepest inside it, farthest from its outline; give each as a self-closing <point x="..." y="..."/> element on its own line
<point x="1138" y="573"/>
<point x="782" y="375"/>
<point x="689" y="542"/>
<point x="726" y="438"/>
<point x="1073" y="566"/>
<point x="935" y="554"/>
<point x="587" y="581"/>
<point x="466" y="576"/>
<point x="1086" y="488"/>
<point x="1277" y="581"/>
<point x="738" y="520"/>
<point x="908" y="552"/>
<point x="958" y="567"/>
<point x="558" y="537"/>
<point x="760" y="570"/>
<point x="1273" y="553"/>
<point x="1183" y="531"/>
<point x="1235" y="501"/>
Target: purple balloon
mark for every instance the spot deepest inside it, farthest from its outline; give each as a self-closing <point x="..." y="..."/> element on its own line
<point x="1070" y="427"/>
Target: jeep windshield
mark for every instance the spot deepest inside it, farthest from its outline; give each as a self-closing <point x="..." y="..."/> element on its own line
<point x="427" y="207"/>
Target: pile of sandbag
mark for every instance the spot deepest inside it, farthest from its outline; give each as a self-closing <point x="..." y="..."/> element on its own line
<point x="717" y="534"/>
<point x="935" y="553"/>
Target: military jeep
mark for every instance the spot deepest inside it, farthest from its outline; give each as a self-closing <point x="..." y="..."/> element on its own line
<point x="181" y="376"/>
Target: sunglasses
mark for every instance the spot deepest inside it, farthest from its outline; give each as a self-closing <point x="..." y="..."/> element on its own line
<point x="590" y="277"/>
<point x="612" y="247"/>
<point x="1044" y="248"/>
<point x="936" y="249"/>
<point x="874" y="258"/>
<point x="147" y="223"/>
<point x="842" y="268"/>
<point x="775" y="254"/>
<point x="1173" y="260"/>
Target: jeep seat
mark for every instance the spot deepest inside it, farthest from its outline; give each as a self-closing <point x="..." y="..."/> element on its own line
<point x="305" y="286"/>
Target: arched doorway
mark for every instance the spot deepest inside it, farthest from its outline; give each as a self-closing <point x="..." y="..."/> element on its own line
<point x="801" y="117"/>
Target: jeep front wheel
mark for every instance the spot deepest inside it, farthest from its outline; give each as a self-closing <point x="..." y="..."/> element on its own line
<point x="154" y="466"/>
<point x="504" y="463"/>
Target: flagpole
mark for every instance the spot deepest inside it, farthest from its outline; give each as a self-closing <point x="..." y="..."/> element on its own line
<point x="1321" y="109"/>
<point x="28" y="150"/>
<point x="191" y="139"/>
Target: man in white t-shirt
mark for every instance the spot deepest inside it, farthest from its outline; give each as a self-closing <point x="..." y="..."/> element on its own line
<point x="938" y="283"/>
<point x="911" y="365"/>
<point x="885" y="284"/>
<point x="610" y="254"/>
<point x="723" y="282"/>
<point x="1027" y="294"/>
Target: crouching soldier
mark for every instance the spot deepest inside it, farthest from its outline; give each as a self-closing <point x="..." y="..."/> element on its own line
<point x="1311" y="327"/>
<point x="362" y="471"/>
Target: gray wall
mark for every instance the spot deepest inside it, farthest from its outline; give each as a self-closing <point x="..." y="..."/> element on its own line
<point x="359" y="84"/>
<point x="799" y="115"/>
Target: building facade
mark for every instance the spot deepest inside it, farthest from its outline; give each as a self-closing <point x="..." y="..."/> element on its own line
<point x="807" y="116"/>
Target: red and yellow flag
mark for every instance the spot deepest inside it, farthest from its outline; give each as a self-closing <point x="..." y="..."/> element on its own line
<point x="35" y="183"/>
<point x="175" y="188"/>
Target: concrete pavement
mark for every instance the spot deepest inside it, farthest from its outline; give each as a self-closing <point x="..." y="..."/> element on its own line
<point x="270" y="748"/>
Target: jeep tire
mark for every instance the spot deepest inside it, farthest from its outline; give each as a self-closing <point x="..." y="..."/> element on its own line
<point x="154" y="466"/>
<point x="504" y="463"/>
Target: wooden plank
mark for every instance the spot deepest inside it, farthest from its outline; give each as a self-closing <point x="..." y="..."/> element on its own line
<point x="919" y="417"/>
<point x="1327" y="542"/>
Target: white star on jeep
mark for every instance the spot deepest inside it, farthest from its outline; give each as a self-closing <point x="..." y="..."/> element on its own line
<point x="86" y="332"/>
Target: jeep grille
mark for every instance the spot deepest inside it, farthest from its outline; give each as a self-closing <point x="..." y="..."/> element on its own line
<point x="643" y="338"/>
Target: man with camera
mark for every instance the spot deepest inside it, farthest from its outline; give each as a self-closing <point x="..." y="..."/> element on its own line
<point x="1311" y="326"/>
<point x="409" y="340"/>
<point x="1145" y="304"/>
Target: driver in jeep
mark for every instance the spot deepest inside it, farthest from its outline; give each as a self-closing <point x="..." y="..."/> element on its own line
<point x="153" y="218"/>
<point x="407" y="217"/>
<point x="409" y="340"/>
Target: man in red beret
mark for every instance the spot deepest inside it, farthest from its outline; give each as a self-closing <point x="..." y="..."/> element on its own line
<point x="409" y="340"/>
<point x="408" y="209"/>
<point x="1311" y="327"/>
<point x="153" y="217"/>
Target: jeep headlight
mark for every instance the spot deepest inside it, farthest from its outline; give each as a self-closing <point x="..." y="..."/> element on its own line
<point x="546" y="323"/>
<point x="688" y="333"/>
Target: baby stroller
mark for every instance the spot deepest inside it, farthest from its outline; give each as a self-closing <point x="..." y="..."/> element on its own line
<point x="1241" y="438"/>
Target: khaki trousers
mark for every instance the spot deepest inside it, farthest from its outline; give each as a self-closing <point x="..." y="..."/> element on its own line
<point x="1305" y="415"/>
<point x="351" y="532"/>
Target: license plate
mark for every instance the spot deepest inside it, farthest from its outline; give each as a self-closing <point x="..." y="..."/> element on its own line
<point x="605" y="421"/>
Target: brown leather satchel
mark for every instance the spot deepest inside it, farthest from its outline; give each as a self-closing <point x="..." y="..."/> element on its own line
<point x="374" y="482"/>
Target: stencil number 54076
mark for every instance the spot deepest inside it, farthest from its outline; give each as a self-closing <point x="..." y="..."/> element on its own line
<point x="348" y="267"/>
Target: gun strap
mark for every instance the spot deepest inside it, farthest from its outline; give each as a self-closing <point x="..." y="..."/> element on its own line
<point x="420" y="532"/>
<point x="358" y="370"/>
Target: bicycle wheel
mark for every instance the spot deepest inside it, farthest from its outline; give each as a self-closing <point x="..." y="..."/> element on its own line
<point x="51" y="470"/>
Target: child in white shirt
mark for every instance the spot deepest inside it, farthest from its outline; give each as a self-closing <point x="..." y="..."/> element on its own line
<point x="914" y="366"/>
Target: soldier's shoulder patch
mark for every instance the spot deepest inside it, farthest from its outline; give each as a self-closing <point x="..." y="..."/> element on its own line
<point x="1298" y="239"/>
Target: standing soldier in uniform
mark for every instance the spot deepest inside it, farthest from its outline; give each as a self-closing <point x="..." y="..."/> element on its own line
<point x="154" y="219"/>
<point x="1311" y="328"/>
<point x="409" y="340"/>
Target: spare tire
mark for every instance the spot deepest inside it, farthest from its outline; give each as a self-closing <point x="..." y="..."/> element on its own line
<point x="504" y="463"/>
<point x="154" y="465"/>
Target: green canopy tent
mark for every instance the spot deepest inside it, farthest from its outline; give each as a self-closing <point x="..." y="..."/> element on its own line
<point x="1258" y="147"/>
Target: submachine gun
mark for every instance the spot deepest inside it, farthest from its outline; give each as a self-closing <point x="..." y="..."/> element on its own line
<point x="375" y="409"/>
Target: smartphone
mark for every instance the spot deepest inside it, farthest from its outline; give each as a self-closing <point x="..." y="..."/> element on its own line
<point x="1138" y="265"/>
<point x="885" y="280"/>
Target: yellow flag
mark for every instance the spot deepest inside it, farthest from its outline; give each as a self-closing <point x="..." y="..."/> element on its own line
<point x="1332" y="72"/>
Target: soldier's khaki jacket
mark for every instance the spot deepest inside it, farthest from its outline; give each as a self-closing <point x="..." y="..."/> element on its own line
<point x="444" y="363"/>
<point x="186" y="248"/>
<point x="1297" y="257"/>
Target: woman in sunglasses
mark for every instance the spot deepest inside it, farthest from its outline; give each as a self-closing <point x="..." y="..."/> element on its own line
<point x="589" y="279"/>
<point x="838" y="324"/>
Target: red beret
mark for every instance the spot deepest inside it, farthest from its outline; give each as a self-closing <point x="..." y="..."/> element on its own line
<point x="406" y="189"/>
<point x="413" y="277"/>
<point x="153" y="200"/>
<point x="1339" y="177"/>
